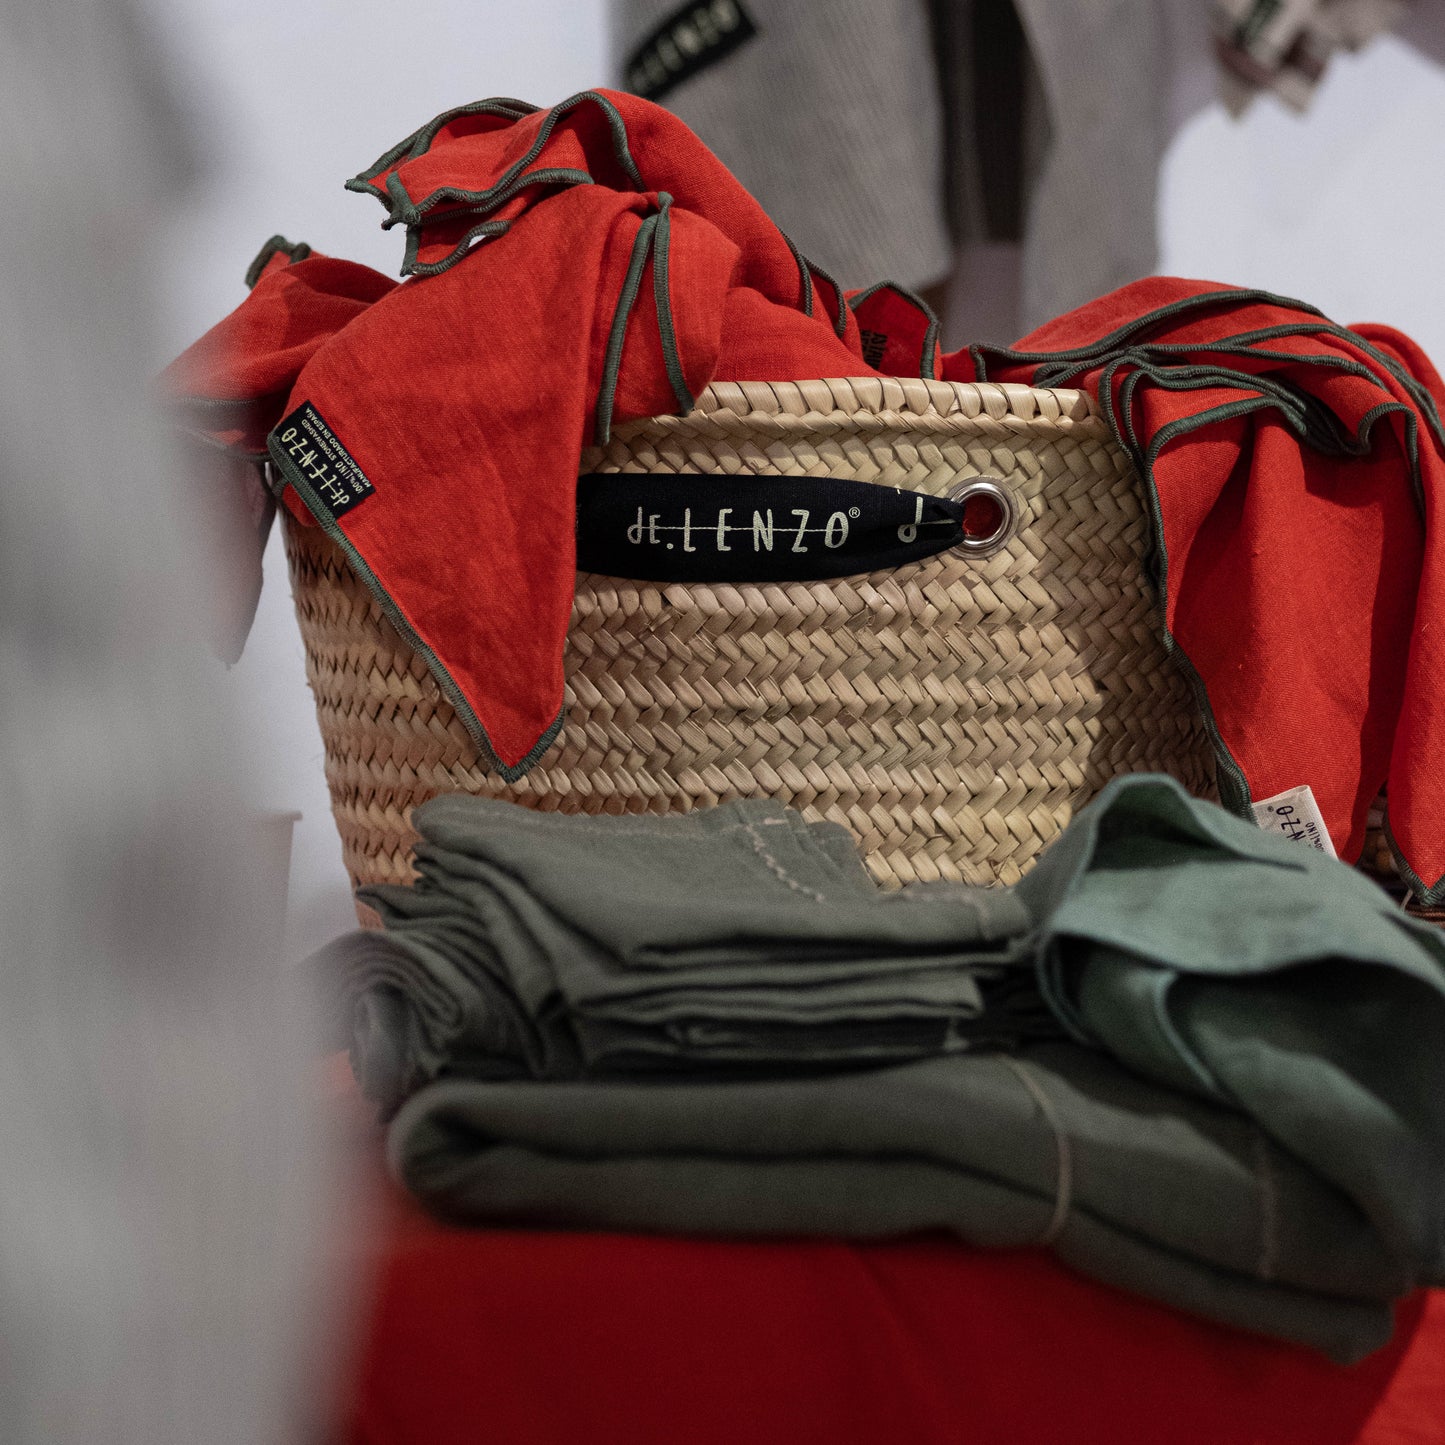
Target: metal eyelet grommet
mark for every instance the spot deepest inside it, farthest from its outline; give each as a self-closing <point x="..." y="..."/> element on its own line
<point x="995" y="499"/>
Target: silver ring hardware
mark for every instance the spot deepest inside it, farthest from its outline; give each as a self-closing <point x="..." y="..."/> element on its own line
<point x="998" y="498"/>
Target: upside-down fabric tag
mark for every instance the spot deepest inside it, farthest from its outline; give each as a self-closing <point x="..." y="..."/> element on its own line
<point x="335" y="478"/>
<point x="669" y="527"/>
<point x="1295" y="815"/>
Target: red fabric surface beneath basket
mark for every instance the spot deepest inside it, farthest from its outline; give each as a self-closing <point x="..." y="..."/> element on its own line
<point x="481" y="1337"/>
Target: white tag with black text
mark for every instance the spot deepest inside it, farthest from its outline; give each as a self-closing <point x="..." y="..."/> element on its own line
<point x="1294" y="814"/>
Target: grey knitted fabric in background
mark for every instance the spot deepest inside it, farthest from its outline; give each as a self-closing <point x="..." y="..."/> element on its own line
<point x="162" y="1178"/>
<point x="831" y="116"/>
<point x="853" y="122"/>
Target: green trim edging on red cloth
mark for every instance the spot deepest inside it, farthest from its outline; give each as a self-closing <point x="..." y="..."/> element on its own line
<point x="404" y="210"/>
<point x="1428" y="895"/>
<point x="419" y="141"/>
<point x="399" y="620"/>
<point x="278" y="244"/>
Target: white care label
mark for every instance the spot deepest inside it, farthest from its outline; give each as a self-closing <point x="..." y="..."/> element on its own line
<point x="1295" y="815"/>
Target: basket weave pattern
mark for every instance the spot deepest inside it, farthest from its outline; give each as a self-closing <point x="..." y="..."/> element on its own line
<point x="952" y="713"/>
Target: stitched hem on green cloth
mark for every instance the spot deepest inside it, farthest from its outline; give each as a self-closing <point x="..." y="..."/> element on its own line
<point x="398" y="619"/>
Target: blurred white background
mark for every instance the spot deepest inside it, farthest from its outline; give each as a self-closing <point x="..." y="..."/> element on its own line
<point x="1343" y="207"/>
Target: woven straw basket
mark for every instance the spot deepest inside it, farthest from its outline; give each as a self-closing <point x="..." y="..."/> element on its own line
<point x="952" y="713"/>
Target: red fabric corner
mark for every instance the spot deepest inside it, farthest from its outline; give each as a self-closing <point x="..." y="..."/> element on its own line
<point x="258" y="350"/>
<point x="898" y="337"/>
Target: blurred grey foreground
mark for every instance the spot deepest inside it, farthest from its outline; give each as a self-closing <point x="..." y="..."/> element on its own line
<point x="161" y="1177"/>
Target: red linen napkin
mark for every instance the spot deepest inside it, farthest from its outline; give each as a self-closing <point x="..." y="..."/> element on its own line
<point x="436" y="433"/>
<point x="1295" y="470"/>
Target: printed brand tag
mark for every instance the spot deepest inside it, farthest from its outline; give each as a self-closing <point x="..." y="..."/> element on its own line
<point x="311" y="449"/>
<point x="874" y="344"/>
<point x="898" y="330"/>
<point x="693" y="37"/>
<point x="700" y="527"/>
<point x="1295" y="815"/>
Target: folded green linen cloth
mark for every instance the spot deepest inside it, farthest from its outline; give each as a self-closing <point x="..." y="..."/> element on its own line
<point x="741" y="936"/>
<point x="1145" y="1189"/>
<point x="1247" y="1122"/>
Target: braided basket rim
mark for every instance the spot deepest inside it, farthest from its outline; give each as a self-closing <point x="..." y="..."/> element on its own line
<point x="900" y="401"/>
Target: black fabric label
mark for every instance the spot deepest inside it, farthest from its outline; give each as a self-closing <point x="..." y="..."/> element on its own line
<point x="693" y="37"/>
<point x="875" y="343"/>
<point x="695" y="527"/>
<point x="313" y="450"/>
